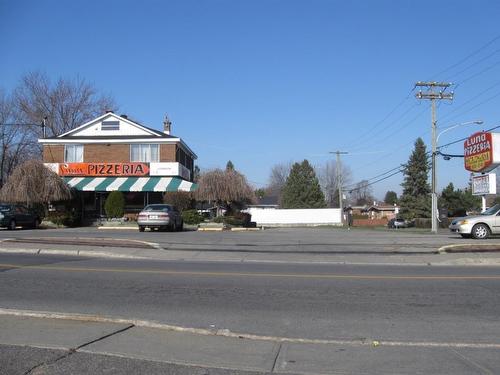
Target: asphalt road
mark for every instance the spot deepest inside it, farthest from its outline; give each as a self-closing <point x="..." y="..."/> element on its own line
<point x="400" y="303"/>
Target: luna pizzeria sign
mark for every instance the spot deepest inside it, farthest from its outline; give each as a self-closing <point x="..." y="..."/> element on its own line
<point x="103" y="169"/>
<point x="481" y="152"/>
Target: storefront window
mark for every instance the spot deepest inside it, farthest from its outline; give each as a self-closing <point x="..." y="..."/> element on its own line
<point x="144" y="153"/>
<point x="73" y="153"/>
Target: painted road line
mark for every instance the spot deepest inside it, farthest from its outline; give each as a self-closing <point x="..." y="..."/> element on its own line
<point x="248" y="274"/>
<point x="239" y="335"/>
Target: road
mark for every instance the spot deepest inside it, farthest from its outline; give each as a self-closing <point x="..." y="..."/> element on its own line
<point x="391" y="303"/>
<point x="295" y="301"/>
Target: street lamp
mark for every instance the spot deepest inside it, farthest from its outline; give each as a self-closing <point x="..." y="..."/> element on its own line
<point x="435" y="140"/>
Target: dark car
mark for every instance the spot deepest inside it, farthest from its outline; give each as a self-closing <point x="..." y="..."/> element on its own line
<point x="161" y="217"/>
<point x="14" y="215"/>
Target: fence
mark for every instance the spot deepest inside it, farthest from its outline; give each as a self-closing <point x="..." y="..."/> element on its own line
<point x="295" y="217"/>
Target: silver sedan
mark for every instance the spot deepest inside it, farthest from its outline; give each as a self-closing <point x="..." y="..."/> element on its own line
<point x="161" y="217"/>
<point x="479" y="226"/>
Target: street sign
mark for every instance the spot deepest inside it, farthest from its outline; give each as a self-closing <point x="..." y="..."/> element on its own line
<point x="484" y="184"/>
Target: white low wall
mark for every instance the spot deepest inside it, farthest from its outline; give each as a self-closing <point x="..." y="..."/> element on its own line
<point x="290" y="217"/>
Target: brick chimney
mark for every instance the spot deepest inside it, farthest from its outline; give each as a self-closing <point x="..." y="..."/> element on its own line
<point x="167" y="125"/>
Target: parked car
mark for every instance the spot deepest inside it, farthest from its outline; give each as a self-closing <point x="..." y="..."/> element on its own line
<point x="478" y="226"/>
<point x="14" y="215"/>
<point x="160" y="217"/>
<point x="397" y="223"/>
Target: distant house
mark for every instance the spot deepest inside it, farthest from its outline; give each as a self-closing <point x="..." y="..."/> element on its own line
<point x="381" y="211"/>
<point x="376" y="211"/>
<point x="271" y="202"/>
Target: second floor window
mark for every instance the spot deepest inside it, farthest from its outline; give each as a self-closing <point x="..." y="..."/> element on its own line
<point x="144" y="153"/>
<point x="73" y="153"/>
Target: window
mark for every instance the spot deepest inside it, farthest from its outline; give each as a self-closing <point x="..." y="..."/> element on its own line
<point x="73" y="153"/>
<point x="110" y="125"/>
<point x="144" y="153"/>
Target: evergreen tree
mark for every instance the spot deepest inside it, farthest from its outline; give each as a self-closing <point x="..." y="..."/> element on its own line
<point x="458" y="202"/>
<point x="229" y="166"/>
<point x="391" y="197"/>
<point x="415" y="200"/>
<point x="302" y="189"/>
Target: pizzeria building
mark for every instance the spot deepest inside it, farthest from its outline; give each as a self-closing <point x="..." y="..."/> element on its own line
<point x="115" y="153"/>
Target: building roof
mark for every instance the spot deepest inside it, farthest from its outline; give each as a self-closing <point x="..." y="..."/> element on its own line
<point x="128" y="130"/>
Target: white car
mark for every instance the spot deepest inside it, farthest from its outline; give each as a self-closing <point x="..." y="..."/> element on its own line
<point x="479" y="226"/>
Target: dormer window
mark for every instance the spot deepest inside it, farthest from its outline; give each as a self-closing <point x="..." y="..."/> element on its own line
<point x="110" y="125"/>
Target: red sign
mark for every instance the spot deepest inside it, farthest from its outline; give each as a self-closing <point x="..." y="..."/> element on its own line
<point x="478" y="152"/>
<point x="103" y="169"/>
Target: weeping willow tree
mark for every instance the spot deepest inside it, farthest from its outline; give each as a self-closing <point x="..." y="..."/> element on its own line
<point x="33" y="183"/>
<point x="224" y="188"/>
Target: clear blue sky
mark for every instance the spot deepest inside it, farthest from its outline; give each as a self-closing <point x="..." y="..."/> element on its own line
<point x="264" y="81"/>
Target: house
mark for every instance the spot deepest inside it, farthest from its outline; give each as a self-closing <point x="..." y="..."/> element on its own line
<point x="115" y="153"/>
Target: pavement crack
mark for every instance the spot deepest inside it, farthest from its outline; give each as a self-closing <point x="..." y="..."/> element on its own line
<point x="276" y="357"/>
<point x="471" y="362"/>
<point x="51" y="362"/>
<point x="105" y="336"/>
<point x="74" y="350"/>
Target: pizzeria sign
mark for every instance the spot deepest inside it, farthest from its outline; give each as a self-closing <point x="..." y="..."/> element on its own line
<point x="103" y="169"/>
<point x="482" y="152"/>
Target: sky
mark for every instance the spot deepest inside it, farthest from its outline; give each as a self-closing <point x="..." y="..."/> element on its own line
<point x="265" y="82"/>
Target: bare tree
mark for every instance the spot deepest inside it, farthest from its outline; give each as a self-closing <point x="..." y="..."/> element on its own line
<point x="362" y="193"/>
<point x="277" y="179"/>
<point x="327" y="175"/>
<point x="32" y="183"/>
<point x="224" y="187"/>
<point x="67" y="104"/>
<point x="15" y="139"/>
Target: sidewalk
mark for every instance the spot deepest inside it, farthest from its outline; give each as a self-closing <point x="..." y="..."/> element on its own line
<point x="222" y="349"/>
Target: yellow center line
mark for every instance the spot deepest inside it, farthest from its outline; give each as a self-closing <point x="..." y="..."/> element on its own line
<point x="253" y="274"/>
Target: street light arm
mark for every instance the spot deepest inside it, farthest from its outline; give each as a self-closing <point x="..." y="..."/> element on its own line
<point x="478" y="122"/>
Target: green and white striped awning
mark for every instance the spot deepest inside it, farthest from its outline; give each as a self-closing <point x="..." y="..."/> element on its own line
<point x="130" y="184"/>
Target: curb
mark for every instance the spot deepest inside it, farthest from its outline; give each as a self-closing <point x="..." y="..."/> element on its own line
<point x="118" y="228"/>
<point x="81" y="253"/>
<point x="469" y="248"/>
<point x="219" y="229"/>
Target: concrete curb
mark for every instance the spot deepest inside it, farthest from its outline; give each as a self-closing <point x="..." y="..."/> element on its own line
<point x="469" y="248"/>
<point x="118" y="228"/>
<point x="216" y="229"/>
<point x="80" y="253"/>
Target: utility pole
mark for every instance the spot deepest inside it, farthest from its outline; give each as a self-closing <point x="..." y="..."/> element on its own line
<point x="433" y="95"/>
<point x="339" y="183"/>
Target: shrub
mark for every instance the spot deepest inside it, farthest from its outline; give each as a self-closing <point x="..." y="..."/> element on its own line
<point x="66" y="219"/>
<point x="114" y="205"/>
<point x="191" y="217"/>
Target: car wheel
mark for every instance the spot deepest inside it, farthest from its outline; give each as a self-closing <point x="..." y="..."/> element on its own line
<point x="181" y="227"/>
<point x="466" y="235"/>
<point x="12" y="225"/>
<point x="480" y="231"/>
<point x="141" y="228"/>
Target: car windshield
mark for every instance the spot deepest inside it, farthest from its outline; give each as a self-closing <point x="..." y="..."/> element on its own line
<point x="4" y="208"/>
<point x="492" y="210"/>
<point x="156" y="207"/>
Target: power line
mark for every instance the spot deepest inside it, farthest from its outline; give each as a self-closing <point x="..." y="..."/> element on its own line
<point x="475" y="52"/>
